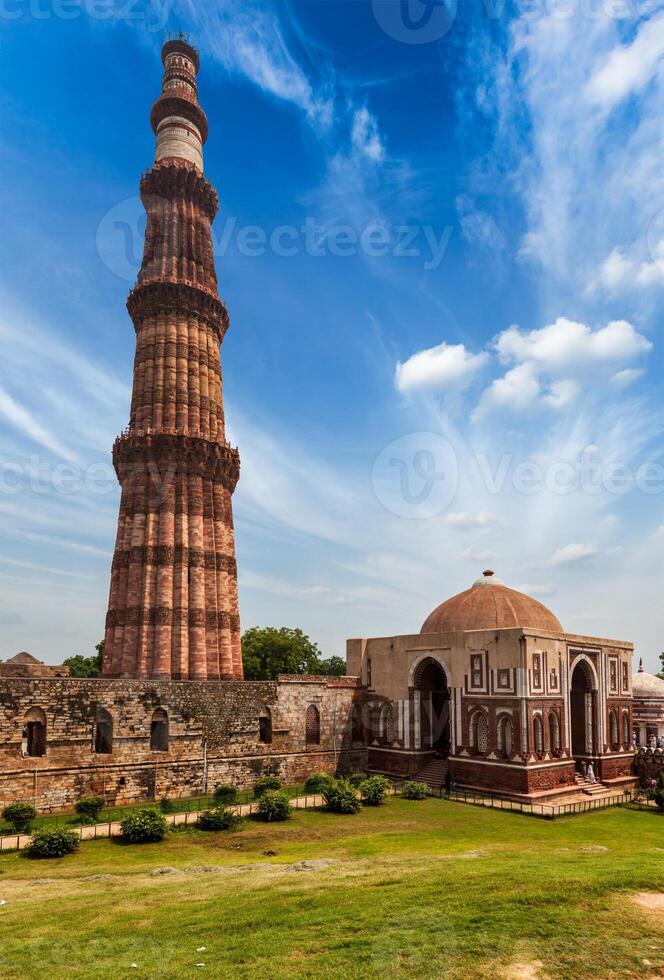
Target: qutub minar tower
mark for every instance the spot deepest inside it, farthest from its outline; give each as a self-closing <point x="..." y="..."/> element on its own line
<point x="173" y="608"/>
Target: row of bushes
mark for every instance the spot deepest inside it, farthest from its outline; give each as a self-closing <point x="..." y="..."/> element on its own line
<point x="148" y="824"/>
<point x="20" y="816"/>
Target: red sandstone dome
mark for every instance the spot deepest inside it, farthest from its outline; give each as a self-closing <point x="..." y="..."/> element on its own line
<point x="490" y="605"/>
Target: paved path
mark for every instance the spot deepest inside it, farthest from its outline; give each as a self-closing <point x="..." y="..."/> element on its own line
<point x="13" y="842"/>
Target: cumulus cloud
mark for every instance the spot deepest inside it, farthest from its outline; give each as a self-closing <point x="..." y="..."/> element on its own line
<point x="573" y="554"/>
<point x="445" y="367"/>
<point x="621" y="273"/>
<point x="568" y="346"/>
<point x="551" y="361"/>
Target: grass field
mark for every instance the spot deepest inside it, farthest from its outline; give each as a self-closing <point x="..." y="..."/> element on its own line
<point x="427" y="889"/>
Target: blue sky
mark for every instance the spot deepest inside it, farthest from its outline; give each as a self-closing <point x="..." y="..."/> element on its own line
<point x="441" y="243"/>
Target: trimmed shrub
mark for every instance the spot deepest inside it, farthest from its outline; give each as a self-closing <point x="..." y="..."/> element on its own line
<point x="19" y="816"/>
<point x="274" y="806"/>
<point x="53" y="842"/>
<point x="317" y="782"/>
<point x="410" y="790"/>
<point x="166" y="805"/>
<point x="373" y="790"/>
<point x="218" y="818"/>
<point x="341" y="797"/>
<point x="659" y="792"/>
<point x="266" y="784"/>
<point x="224" y="794"/>
<point x="356" y="779"/>
<point x="89" y="809"/>
<point x="145" y="826"/>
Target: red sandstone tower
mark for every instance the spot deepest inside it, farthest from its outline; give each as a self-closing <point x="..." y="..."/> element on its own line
<point x="173" y="609"/>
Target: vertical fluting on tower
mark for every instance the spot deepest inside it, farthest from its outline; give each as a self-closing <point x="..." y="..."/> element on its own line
<point x="173" y="605"/>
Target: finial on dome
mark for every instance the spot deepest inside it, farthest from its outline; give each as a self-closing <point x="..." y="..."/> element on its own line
<point x="640" y="665"/>
<point x="488" y="572"/>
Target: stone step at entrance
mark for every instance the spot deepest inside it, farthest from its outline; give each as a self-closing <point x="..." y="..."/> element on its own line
<point x="590" y="789"/>
<point x="433" y="773"/>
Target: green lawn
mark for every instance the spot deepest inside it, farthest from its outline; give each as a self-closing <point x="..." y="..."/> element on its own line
<point x="425" y="889"/>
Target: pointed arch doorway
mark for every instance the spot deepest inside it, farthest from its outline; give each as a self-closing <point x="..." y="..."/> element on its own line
<point x="432" y="705"/>
<point x="583" y="715"/>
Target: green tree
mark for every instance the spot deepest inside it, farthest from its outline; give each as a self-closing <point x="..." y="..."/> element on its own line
<point x="271" y="651"/>
<point x="80" y="666"/>
<point x="333" y="667"/>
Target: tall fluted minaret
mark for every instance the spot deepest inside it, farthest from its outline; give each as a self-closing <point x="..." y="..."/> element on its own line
<point x="173" y="609"/>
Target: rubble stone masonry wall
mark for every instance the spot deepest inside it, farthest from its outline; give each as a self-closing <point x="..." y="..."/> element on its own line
<point x="213" y="736"/>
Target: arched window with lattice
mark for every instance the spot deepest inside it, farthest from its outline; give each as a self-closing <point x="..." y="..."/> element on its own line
<point x="386" y="725"/>
<point x="312" y="725"/>
<point x="479" y="733"/>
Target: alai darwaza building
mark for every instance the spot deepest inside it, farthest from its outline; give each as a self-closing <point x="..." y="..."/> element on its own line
<point x="495" y="692"/>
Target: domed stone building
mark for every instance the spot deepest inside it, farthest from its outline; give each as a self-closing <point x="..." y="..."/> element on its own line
<point x="493" y="690"/>
<point x="648" y="690"/>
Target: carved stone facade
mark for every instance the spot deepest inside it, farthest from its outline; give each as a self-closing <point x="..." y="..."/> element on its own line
<point x="173" y="606"/>
<point x="132" y="740"/>
<point x="510" y="708"/>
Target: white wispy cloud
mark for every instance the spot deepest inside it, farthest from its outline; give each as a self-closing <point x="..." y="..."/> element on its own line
<point x="365" y="135"/>
<point x="249" y="41"/>
<point x="23" y="420"/>
<point x="628" y="68"/>
<point x="465" y="520"/>
<point x="572" y="554"/>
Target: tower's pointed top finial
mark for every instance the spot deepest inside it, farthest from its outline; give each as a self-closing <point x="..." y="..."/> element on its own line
<point x="640" y="665"/>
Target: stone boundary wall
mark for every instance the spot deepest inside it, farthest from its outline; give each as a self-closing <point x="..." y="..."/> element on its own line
<point x="213" y="736"/>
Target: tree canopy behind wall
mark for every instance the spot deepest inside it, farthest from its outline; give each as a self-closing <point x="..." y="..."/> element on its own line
<point x="80" y="666"/>
<point x="270" y="651"/>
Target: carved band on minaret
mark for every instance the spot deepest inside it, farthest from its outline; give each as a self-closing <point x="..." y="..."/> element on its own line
<point x="173" y="608"/>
